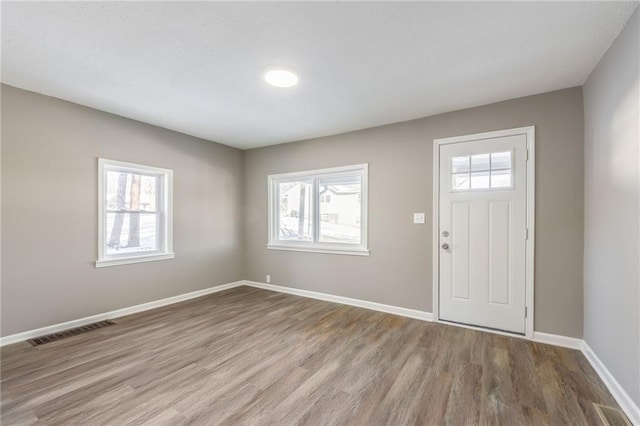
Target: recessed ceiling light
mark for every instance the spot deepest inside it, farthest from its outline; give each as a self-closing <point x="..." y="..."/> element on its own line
<point x="281" y="78"/>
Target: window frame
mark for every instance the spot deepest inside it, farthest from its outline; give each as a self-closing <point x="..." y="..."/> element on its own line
<point x="490" y="171"/>
<point x="316" y="246"/>
<point x="164" y="213"/>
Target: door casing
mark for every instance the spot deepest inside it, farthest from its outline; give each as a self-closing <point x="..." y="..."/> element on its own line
<point x="529" y="132"/>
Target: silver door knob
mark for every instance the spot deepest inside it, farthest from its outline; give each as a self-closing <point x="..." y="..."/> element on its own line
<point x="445" y="246"/>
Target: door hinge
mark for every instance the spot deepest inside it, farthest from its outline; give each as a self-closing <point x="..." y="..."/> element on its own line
<point x="527" y="155"/>
<point x="526" y="312"/>
<point x="526" y="234"/>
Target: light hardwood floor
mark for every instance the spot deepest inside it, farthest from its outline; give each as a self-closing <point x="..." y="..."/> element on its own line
<point x="250" y="356"/>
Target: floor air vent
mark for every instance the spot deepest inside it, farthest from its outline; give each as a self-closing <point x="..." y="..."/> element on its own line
<point x="68" y="333"/>
<point x="612" y="416"/>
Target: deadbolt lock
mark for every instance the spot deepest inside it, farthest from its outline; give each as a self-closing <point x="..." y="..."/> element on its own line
<point x="445" y="234"/>
<point x="445" y="246"/>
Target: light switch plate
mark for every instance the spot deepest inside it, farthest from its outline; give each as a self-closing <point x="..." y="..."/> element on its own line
<point x="418" y="218"/>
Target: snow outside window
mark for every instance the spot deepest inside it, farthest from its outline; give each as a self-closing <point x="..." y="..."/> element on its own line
<point x="135" y="220"/>
<point x="319" y="210"/>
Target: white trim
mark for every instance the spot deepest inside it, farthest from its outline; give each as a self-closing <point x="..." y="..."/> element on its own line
<point x="134" y="259"/>
<point x="315" y="246"/>
<point x="316" y="172"/>
<point x="18" y="337"/>
<point x="389" y="309"/>
<point x="483" y="329"/>
<point x="486" y="135"/>
<point x="531" y="229"/>
<point x="538" y="337"/>
<point x="623" y="399"/>
<point x="354" y="252"/>
<point x="621" y="396"/>
<point x="165" y="213"/>
<point x="531" y="191"/>
<point x="557" y="340"/>
<point x="435" y="234"/>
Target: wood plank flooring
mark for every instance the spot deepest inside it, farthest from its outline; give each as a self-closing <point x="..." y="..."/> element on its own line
<point x="250" y="356"/>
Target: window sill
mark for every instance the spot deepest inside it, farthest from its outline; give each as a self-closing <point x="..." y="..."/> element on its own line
<point x="349" y="252"/>
<point x="133" y="259"/>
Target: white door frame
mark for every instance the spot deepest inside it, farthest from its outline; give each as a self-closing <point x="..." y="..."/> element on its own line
<point x="530" y="209"/>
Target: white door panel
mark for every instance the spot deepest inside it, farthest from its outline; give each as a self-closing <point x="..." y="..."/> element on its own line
<point x="482" y="258"/>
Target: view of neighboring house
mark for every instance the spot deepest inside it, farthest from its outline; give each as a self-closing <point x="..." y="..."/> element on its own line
<point x="340" y="204"/>
<point x="340" y="211"/>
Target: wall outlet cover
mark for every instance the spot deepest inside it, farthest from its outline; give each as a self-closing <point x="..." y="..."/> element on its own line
<point x="418" y="218"/>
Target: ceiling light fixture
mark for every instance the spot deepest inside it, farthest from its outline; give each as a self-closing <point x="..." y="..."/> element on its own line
<point x="281" y="78"/>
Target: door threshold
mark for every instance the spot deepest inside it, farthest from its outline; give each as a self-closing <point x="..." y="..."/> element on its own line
<point x="485" y="329"/>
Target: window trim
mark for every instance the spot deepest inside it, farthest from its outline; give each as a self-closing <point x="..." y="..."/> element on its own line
<point x="165" y="211"/>
<point x="316" y="246"/>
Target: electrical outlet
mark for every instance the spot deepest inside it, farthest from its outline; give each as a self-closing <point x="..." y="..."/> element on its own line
<point x="268" y="279"/>
<point x="418" y="218"/>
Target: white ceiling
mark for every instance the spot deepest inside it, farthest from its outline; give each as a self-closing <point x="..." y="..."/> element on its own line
<point x="197" y="67"/>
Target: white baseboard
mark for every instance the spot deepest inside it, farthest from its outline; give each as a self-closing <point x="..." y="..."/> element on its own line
<point x="19" y="337"/>
<point x="557" y="340"/>
<point x="389" y="309"/>
<point x="30" y="334"/>
<point x="621" y="396"/>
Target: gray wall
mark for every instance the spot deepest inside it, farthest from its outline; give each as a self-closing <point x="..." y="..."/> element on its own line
<point x="49" y="212"/>
<point x="49" y="167"/>
<point x="398" y="272"/>
<point x="612" y="209"/>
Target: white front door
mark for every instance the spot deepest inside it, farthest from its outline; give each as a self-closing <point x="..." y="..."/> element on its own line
<point x="483" y="232"/>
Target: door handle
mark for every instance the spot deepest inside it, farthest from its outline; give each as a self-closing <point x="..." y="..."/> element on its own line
<point x="445" y="246"/>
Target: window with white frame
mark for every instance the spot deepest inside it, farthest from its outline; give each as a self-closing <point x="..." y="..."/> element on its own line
<point x="135" y="213"/>
<point x="487" y="171"/>
<point x="319" y="210"/>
